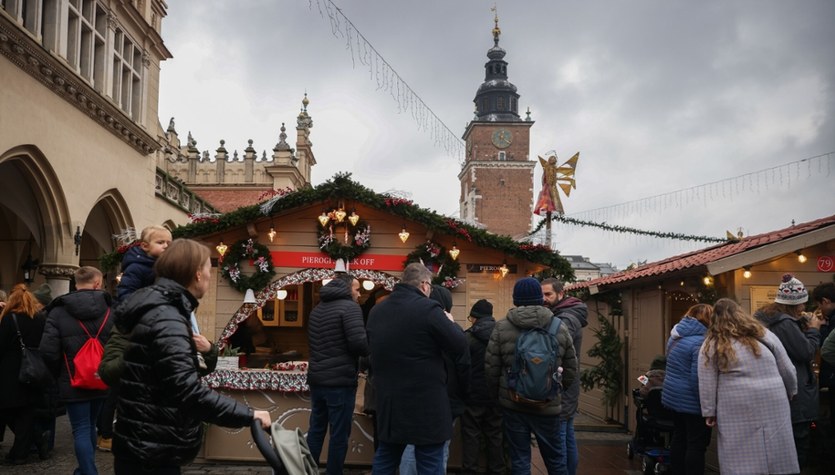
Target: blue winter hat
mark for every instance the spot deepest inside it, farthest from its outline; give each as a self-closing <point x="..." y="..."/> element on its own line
<point x="527" y="291"/>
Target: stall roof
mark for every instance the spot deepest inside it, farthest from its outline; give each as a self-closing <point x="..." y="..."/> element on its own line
<point x="342" y="187"/>
<point x="714" y="256"/>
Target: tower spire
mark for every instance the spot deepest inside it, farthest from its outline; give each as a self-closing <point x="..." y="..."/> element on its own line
<point x="496" y="30"/>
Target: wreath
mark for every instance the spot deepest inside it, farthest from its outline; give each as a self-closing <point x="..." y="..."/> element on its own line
<point x="347" y="245"/>
<point x="259" y="254"/>
<point x="436" y="258"/>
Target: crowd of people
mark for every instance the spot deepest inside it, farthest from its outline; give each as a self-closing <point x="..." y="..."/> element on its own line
<point x="749" y="377"/>
<point x="149" y="361"/>
<point x="426" y="373"/>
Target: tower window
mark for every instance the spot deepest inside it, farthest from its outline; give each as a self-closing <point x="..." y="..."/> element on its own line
<point x="500" y="103"/>
<point x="502" y="156"/>
<point x="513" y="104"/>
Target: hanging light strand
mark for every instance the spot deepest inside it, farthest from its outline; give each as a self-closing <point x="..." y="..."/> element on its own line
<point x="389" y="80"/>
<point x="721" y="190"/>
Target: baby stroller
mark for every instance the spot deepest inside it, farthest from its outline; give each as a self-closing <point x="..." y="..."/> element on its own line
<point x="285" y="450"/>
<point x="653" y="432"/>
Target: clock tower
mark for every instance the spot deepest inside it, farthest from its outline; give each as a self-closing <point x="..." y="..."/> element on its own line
<point x="497" y="176"/>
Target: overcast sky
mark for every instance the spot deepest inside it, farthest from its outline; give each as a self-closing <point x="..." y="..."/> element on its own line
<point x="657" y="96"/>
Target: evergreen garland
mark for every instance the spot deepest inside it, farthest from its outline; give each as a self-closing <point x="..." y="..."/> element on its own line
<point x="249" y="250"/>
<point x="626" y="229"/>
<point x="342" y="187"/>
<point x="436" y="258"/>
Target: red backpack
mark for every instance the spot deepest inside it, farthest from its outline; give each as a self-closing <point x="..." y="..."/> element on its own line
<point x="86" y="361"/>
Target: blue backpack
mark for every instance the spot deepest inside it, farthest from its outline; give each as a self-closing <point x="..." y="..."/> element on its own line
<point x="534" y="378"/>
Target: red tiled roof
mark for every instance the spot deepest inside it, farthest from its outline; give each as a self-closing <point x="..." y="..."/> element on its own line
<point x="231" y="199"/>
<point x="707" y="255"/>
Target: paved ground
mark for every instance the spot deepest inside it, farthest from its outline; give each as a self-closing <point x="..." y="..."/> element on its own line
<point x="601" y="453"/>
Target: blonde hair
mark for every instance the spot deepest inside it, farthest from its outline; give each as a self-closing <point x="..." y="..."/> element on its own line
<point x="22" y="302"/>
<point x="87" y="275"/>
<point x="149" y="232"/>
<point x="730" y="323"/>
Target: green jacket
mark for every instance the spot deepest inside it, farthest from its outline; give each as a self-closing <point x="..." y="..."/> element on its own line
<point x="501" y="351"/>
<point x="112" y="363"/>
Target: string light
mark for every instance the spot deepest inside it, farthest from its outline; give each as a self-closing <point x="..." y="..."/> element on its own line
<point x="453" y="253"/>
<point x="504" y="270"/>
<point x="747" y="272"/>
<point x="354" y="218"/>
<point x="272" y="232"/>
<point x="323" y="219"/>
<point x="801" y="258"/>
<point x="221" y="249"/>
<point x="404" y="235"/>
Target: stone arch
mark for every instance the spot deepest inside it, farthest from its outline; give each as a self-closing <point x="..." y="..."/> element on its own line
<point x="295" y="278"/>
<point x="33" y="210"/>
<point x="110" y="215"/>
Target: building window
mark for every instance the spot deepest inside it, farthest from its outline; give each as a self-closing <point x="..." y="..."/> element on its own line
<point x="500" y="103"/>
<point x="502" y="156"/>
<point x="127" y="74"/>
<point x="86" y="31"/>
<point x="513" y="104"/>
<point x="485" y="103"/>
<point x="26" y="13"/>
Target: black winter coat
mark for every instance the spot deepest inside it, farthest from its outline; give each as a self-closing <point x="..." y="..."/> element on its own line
<point x="161" y="399"/>
<point x="407" y="334"/>
<point x="137" y="272"/>
<point x="13" y="394"/>
<point x="63" y="336"/>
<point x="801" y="347"/>
<point x="478" y="336"/>
<point x="574" y="315"/>
<point x="336" y="337"/>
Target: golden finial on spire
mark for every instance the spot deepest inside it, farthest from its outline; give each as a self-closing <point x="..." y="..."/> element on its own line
<point x="496" y="30"/>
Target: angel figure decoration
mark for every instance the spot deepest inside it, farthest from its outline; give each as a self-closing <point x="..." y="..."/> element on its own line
<point x="549" y="201"/>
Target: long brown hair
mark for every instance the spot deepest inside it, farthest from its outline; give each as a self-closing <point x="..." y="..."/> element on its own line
<point x="21" y="302"/>
<point x="730" y="323"/>
<point x="701" y="312"/>
<point x="774" y="309"/>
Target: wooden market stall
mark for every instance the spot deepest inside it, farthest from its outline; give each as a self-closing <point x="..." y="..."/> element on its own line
<point x="376" y="235"/>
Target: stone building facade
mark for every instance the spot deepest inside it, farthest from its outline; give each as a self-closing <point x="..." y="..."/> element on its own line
<point x="79" y="134"/>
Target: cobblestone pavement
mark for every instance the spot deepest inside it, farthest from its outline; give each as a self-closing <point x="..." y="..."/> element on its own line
<point x="601" y="453"/>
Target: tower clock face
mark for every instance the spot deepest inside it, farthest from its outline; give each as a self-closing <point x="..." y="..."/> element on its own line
<point x="502" y="138"/>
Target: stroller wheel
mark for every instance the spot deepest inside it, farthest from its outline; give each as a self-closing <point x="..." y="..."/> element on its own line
<point x="630" y="451"/>
<point x="648" y="466"/>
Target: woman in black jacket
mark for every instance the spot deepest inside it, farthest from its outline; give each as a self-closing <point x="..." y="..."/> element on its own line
<point x="17" y="401"/>
<point x="161" y="400"/>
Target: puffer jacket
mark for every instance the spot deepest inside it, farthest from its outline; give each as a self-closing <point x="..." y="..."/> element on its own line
<point x="137" y="272"/>
<point x="801" y="347"/>
<point x="161" y="399"/>
<point x="63" y="336"/>
<point x="477" y="336"/>
<point x="336" y="337"/>
<point x="501" y="351"/>
<point x="681" y="379"/>
<point x="574" y="315"/>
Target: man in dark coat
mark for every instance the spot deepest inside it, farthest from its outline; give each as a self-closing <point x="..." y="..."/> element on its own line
<point x="520" y="419"/>
<point x="336" y="338"/>
<point x="483" y="415"/>
<point x="574" y="315"/>
<point x="408" y="334"/>
<point x="800" y="338"/>
<point x="63" y="337"/>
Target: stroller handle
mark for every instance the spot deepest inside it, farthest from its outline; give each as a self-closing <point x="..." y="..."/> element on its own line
<point x="262" y="441"/>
